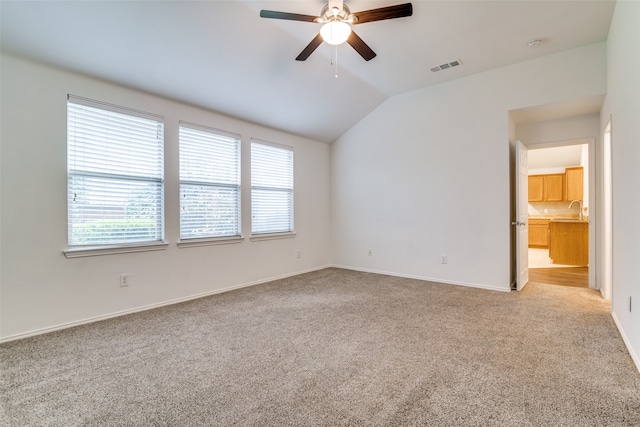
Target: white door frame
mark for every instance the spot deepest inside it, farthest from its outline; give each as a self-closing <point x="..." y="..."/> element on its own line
<point x="521" y="222"/>
<point x="606" y="278"/>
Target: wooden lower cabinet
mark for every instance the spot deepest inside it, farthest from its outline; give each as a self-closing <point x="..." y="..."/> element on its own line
<point x="569" y="242"/>
<point x="538" y="233"/>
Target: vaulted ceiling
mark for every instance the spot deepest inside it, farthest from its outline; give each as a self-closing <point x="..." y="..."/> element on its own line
<point x="222" y="56"/>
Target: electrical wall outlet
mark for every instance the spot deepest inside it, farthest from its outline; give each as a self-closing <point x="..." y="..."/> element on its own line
<point x="443" y="259"/>
<point x="299" y="254"/>
<point x="629" y="303"/>
<point x="124" y="280"/>
<point x="370" y="252"/>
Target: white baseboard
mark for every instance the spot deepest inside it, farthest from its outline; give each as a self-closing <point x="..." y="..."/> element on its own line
<point x="150" y="306"/>
<point x="428" y="279"/>
<point x="626" y="341"/>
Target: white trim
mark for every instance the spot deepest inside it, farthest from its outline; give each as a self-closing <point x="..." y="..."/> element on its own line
<point x="151" y="306"/>
<point x="271" y="144"/>
<point x="88" y="102"/>
<point x="209" y="129"/>
<point x="426" y="279"/>
<point x="110" y="250"/>
<point x="272" y="236"/>
<point x="192" y="243"/>
<point x="627" y="342"/>
<point x="561" y="143"/>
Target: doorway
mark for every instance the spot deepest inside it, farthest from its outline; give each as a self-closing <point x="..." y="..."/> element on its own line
<point x="558" y="125"/>
<point x="558" y="251"/>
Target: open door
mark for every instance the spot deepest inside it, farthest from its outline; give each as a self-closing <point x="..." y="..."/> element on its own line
<point x="522" y="215"/>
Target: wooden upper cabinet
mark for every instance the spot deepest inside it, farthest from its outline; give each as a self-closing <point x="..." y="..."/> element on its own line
<point x="536" y="188"/>
<point x="575" y="183"/>
<point x="554" y="187"/>
<point x="546" y="188"/>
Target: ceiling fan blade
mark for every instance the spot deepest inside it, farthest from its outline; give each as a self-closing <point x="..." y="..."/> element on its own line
<point x="361" y="47"/>
<point x="285" y="15"/>
<point x="389" y="12"/>
<point x="317" y="41"/>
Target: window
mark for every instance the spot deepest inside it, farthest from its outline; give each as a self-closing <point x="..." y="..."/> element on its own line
<point x="209" y="183"/>
<point x="115" y="175"/>
<point x="271" y="188"/>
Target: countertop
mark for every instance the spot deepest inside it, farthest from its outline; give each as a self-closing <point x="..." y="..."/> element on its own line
<point x="561" y="218"/>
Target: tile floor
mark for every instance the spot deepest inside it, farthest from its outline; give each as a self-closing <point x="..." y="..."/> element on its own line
<point x="539" y="258"/>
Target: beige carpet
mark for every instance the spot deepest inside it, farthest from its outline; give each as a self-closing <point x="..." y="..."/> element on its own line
<point x="334" y="347"/>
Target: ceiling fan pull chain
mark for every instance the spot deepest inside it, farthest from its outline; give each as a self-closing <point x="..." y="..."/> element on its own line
<point x="336" y="76"/>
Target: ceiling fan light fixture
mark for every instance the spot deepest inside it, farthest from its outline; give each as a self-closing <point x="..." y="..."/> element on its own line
<point x="335" y="32"/>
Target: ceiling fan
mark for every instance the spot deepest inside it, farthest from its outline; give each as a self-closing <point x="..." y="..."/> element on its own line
<point x="337" y="19"/>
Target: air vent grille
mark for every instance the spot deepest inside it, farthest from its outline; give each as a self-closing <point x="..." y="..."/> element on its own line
<point x="446" y="65"/>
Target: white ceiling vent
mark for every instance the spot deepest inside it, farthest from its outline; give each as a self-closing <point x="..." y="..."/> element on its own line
<point x="447" y="65"/>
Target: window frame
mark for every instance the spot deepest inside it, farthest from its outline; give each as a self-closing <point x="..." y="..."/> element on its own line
<point x="185" y="242"/>
<point x="268" y="235"/>
<point x="75" y="249"/>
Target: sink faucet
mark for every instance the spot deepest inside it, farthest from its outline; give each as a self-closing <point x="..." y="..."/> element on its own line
<point x="580" y="202"/>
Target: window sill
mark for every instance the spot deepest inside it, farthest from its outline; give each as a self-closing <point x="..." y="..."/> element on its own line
<point x="210" y="242"/>
<point x="272" y="236"/>
<point x="110" y="250"/>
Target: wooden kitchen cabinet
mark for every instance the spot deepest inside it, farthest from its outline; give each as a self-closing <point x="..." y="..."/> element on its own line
<point x="569" y="242"/>
<point x="536" y="188"/>
<point x="546" y="188"/>
<point x="574" y="178"/>
<point x="538" y="233"/>
<point x="554" y="187"/>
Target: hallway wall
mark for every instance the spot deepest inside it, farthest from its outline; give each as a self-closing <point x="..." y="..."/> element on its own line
<point x="622" y="106"/>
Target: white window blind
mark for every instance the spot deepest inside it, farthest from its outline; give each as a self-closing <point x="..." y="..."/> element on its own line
<point x="115" y="170"/>
<point x="271" y="188"/>
<point x="209" y="182"/>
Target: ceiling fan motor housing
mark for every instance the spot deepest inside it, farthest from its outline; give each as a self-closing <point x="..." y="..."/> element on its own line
<point x="334" y="14"/>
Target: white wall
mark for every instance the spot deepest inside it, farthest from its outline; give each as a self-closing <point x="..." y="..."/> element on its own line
<point x="41" y="289"/>
<point x="428" y="172"/>
<point x="552" y="131"/>
<point x="623" y="106"/>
